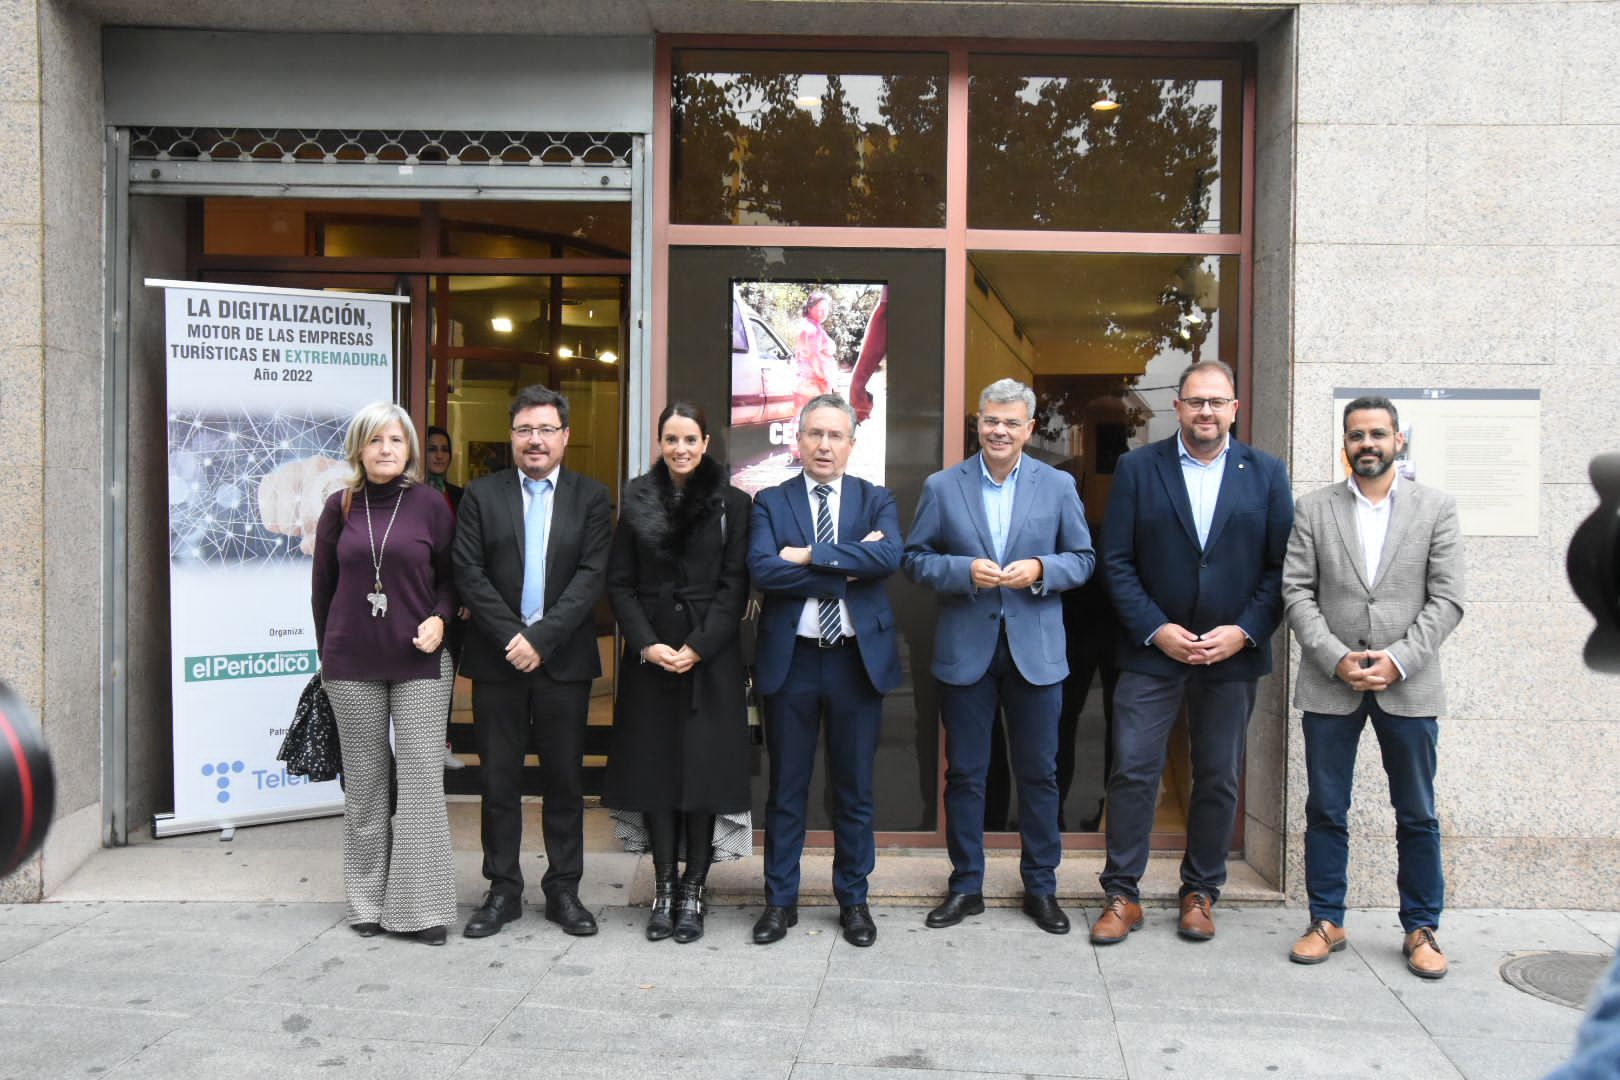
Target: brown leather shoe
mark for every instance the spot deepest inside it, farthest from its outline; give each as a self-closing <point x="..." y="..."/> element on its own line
<point x="1423" y="956"/>
<point x="1121" y="916"/>
<point x="1320" y="941"/>
<point x="1195" y="924"/>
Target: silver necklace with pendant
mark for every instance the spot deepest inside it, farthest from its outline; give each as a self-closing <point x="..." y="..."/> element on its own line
<point x="378" y="598"/>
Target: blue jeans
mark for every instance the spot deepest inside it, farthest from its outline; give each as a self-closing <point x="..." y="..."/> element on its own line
<point x="969" y="712"/>
<point x="1408" y="747"/>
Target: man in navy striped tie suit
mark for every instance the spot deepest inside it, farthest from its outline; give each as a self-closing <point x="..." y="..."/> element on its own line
<point x="820" y="547"/>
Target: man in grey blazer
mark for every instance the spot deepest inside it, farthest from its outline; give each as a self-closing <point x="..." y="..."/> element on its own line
<point x="1372" y="584"/>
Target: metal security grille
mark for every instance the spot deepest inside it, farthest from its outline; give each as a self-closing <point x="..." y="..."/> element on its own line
<point x="336" y="147"/>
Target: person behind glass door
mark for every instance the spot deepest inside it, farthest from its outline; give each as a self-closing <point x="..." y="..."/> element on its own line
<point x="678" y="582"/>
<point x="827" y="652"/>
<point x="381" y="595"/>
<point x="1192" y="555"/>
<point x="815" y="357"/>
<point x="436" y="456"/>
<point x="999" y="537"/>
<point x="530" y="555"/>
<point x="1373" y="583"/>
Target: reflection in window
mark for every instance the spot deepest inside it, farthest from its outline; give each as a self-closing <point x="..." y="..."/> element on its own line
<point x="805" y="138"/>
<point x="1121" y="145"/>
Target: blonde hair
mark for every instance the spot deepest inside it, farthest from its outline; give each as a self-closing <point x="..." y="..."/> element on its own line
<point x="365" y="425"/>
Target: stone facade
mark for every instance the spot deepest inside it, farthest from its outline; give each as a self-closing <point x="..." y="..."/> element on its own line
<point x="1433" y="208"/>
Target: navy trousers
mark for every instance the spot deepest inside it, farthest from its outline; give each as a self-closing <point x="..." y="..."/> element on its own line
<point x="1145" y="708"/>
<point x="1031" y="711"/>
<point x="829" y="684"/>
<point x="1408" y="747"/>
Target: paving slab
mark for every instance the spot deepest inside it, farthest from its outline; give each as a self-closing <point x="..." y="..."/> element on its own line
<point x="350" y="1005"/>
<point x="54" y="1040"/>
<point x="1075" y="1045"/>
<point x="153" y="952"/>
<point x="498" y="1063"/>
<point x="1341" y="1051"/>
<point x="52" y="913"/>
<point x="18" y="939"/>
<point x="732" y="1035"/>
<point x="501" y="963"/>
<point x="1503" y="1059"/>
<point x="813" y="1071"/>
<point x="1473" y="999"/>
<point x="1604" y="925"/>
<point x="204" y="1053"/>
<point x="1243" y="976"/>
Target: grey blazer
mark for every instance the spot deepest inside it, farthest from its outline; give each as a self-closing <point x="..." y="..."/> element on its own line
<point x="1416" y="599"/>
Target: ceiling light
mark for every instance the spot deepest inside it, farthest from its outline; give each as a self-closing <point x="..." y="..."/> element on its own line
<point x="607" y="356"/>
<point x="807" y="101"/>
<point x="502" y="324"/>
<point x="1194" y="318"/>
<point x="564" y="351"/>
<point x="1105" y="102"/>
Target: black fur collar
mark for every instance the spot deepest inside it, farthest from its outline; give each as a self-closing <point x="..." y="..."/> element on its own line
<point x="666" y="516"/>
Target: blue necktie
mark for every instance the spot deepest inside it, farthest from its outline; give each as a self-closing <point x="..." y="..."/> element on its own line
<point x="534" y="548"/>
<point x="832" y="630"/>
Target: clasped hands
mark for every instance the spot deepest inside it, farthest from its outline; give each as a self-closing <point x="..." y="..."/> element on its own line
<point x="1210" y="647"/>
<point x="1372" y="670"/>
<point x="675" y="661"/>
<point x="1021" y="574"/>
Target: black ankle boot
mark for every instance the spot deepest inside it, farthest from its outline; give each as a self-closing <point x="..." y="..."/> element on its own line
<point x="661" y="921"/>
<point x="689" y="915"/>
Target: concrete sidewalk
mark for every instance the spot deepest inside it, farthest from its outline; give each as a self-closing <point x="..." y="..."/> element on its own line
<point x="172" y="990"/>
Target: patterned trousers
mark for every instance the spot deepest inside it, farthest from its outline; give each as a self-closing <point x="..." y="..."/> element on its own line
<point x="398" y="872"/>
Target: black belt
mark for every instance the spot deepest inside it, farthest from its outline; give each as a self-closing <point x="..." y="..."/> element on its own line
<point x="847" y="640"/>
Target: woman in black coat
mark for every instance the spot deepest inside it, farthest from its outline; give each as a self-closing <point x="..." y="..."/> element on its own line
<point x="678" y="583"/>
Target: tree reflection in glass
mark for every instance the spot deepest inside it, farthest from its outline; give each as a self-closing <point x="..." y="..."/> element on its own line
<point x="1057" y="143"/>
<point x="808" y="139"/>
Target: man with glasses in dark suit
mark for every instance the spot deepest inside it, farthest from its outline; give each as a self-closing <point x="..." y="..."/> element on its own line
<point x="1192" y="555"/>
<point x="530" y="556"/>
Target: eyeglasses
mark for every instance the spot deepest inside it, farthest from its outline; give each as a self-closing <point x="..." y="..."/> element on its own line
<point x="1196" y="404"/>
<point x="1375" y="435"/>
<point x="814" y="435"/>
<point x="999" y="423"/>
<point x="528" y="431"/>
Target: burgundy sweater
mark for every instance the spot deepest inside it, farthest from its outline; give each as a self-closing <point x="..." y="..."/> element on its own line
<point x="415" y="577"/>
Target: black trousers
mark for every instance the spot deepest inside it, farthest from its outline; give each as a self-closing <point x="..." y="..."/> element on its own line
<point x="510" y="718"/>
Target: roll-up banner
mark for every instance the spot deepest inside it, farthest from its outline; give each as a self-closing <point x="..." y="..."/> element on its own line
<point x="261" y="386"/>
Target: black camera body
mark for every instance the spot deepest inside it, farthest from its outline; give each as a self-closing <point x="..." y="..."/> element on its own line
<point x="27" y="784"/>
<point x="1593" y="564"/>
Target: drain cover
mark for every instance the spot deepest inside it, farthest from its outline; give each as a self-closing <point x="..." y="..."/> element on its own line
<point x="1563" y="978"/>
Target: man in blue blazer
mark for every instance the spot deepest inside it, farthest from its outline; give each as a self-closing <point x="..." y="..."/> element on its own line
<point x="999" y="537"/>
<point x="820" y="546"/>
<point x="1192" y="555"/>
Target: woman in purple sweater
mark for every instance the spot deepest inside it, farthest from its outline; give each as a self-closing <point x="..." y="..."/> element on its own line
<point x="381" y="595"/>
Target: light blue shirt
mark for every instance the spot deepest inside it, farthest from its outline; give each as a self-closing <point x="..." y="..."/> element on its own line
<point x="998" y="504"/>
<point x="1203" y="485"/>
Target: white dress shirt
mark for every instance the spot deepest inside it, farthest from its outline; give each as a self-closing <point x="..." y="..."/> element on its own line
<point x="549" y="510"/>
<point x="810" y="617"/>
<point x="1372" y="526"/>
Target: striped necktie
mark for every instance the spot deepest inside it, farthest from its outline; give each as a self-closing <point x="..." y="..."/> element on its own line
<point x="832" y="631"/>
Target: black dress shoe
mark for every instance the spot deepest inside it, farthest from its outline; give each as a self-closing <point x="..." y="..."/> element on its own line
<point x="1046" y="913"/>
<point x="566" y="911"/>
<point x="432" y="935"/>
<point x="366" y="929"/>
<point x="774" y="922"/>
<point x="957" y="906"/>
<point x="498" y="910"/>
<point x="859" y="929"/>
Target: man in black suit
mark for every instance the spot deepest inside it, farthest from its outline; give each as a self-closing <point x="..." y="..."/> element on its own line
<point x="530" y="555"/>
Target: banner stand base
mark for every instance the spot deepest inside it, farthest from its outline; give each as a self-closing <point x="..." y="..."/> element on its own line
<point x="168" y="825"/>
